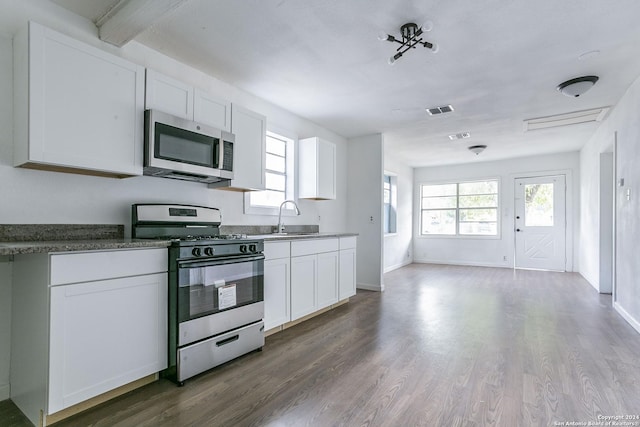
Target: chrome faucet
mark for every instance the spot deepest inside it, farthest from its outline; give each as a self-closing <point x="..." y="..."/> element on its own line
<point x="280" y="227"/>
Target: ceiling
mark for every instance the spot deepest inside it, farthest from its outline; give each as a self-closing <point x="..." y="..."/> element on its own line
<point x="499" y="62"/>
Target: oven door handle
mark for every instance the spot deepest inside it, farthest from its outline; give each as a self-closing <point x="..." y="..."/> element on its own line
<point x="219" y="261"/>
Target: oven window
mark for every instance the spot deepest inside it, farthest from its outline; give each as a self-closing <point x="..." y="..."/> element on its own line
<point x="205" y="290"/>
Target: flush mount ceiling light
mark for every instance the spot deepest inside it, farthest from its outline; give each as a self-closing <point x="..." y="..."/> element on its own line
<point x="575" y="87"/>
<point x="477" y="149"/>
<point x="411" y="37"/>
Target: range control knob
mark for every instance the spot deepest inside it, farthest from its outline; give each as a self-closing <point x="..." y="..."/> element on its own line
<point x="243" y="249"/>
<point x="253" y="248"/>
<point x="196" y="252"/>
<point x="208" y="251"/>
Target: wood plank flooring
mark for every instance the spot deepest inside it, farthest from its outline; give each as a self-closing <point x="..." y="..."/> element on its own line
<point x="442" y="346"/>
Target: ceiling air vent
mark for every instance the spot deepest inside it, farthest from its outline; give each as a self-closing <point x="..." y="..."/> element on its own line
<point x="461" y="135"/>
<point x="577" y="117"/>
<point x="439" y="110"/>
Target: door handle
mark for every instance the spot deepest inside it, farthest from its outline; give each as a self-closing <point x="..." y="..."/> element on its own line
<point x="517" y="229"/>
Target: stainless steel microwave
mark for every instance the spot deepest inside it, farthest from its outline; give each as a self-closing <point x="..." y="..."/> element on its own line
<point x="183" y="149"/>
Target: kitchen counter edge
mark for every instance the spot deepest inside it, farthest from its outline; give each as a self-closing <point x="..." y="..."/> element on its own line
<point x="279" y="238"/>
<point x="36" y="247"/>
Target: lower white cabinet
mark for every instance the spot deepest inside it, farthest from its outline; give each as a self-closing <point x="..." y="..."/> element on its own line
<point x="105" y="334"/>
<point x="314" y="275"/>
<point x="277" y="284"/>
<point x="306" y="275"/>
<point x="304" y="279"/>
<point x="85" y="323"/>
<point x="347" y="275"/>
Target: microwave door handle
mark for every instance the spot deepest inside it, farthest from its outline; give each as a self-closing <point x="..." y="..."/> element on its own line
<point x="220" y="153"/>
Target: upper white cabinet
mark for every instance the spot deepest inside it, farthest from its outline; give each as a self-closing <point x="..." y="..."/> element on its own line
<point x="317" y="169"/>
<point x="182" y="100"/>
<point x="76" y="108"/>
<point x="249" y="157"/>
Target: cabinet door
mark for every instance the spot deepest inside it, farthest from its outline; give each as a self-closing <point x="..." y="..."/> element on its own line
<point x="250" y="130"/>
<point x="83" y="109"/>
<point x="326" y="170"/>
<point x="303" y="285"/>
<point x="211" y="110"/>
<point x="347" y="279"/>
<point x="277" y="291"/>
<point x="105" y="334"/>
<point x="327" y="279"/>
<point x="169" y="95"/>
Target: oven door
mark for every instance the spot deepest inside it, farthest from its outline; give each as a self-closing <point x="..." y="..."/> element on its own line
<point x="211" y="286"/>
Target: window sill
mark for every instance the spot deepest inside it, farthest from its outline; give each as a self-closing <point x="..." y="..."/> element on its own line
<point x="390" y="234"/>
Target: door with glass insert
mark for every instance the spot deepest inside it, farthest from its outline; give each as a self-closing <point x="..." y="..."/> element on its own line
<point x="540" y="223"/>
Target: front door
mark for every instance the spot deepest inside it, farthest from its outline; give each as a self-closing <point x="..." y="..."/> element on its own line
<point x="540" y="224"/>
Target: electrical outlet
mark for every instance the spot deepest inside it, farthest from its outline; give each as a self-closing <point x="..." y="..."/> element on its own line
<point x="504" y="258"/>
<point x="318" y="218"/>
<point x="371" y="219"/>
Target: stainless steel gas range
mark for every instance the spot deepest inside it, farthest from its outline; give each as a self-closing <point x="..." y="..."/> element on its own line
<point x="216" y="287"/>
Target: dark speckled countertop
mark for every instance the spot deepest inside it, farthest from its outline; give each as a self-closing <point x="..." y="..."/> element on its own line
<point x="42" y="238"/>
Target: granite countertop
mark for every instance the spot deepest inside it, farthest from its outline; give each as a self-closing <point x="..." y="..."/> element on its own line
<point x="301" y="236"/>
<point x="43" y="238"/>
<point x="35" y="247"/>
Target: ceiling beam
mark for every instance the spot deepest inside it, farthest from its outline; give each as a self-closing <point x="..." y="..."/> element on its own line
<point x="128" y="18"/>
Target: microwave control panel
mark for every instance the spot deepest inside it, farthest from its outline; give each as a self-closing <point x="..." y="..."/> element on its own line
<point x="227" y="163"/>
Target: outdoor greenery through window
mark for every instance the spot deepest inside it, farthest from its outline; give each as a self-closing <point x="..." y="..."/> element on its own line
<point x="462" y="208"/>
<point x="278" y="173"/>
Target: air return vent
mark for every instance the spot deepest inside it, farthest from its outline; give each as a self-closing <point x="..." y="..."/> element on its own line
<point x="577" y="117"/>
<point x="439" y="110"/>
<point x="461" y="135"/>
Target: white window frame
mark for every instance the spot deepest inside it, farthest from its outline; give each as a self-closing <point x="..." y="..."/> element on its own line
<point x="291" y="177"/>
<point x="393" y="230"/>
<point x="498" y="234"/>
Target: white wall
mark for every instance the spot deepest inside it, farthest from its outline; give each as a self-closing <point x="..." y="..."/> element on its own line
<point x="5" y="327"/>
<point x="492" y="251"/>
<point x="398" y="248"/>
<point x="31" y="196"/>
<point x="365" y="208"/>
<point x="623" y="120"/>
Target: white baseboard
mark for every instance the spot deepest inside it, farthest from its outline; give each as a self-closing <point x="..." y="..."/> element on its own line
<point x="5" y="392"/>
<point x="464" y="263"/>
<point x="367" y="287"/>
<point x="626" y="316"/>
<point x="397" y="266"/>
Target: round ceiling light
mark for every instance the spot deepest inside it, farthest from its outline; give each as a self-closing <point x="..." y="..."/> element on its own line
<point x="477" y="148"/>
<point x="575" y="87"/>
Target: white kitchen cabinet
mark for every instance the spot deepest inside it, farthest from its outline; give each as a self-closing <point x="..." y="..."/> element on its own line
<point x="249" y="156"/>
<point x="327" y="279"/>
<point x="314" y="275"/>
<point x="175" y="97"/>
<point x="317" y="169"/>
<point x="76" y="108"/>
<point x="105" y="334"/>
<point x="347" y="279"/>
<point x="277" y="284"/>
<point x="85" y="323"/>
<point x="211" y="110"/>
<point x="168" y="95"/>
<point x="304" y="279"/>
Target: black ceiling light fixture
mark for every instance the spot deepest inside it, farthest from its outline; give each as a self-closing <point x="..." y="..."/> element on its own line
<point x="477" y="149"/>
<point x="573" y="88"/>
<point x="411" y="37"/>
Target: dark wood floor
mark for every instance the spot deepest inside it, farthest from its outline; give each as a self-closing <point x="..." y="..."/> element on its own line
<point x="442" y="346"/>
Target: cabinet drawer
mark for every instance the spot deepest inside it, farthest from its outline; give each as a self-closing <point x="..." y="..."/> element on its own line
<point x="275" y="250"/>
<point x="313" y="246"/>
<point x="100" y="265"/>
<point x="348" y="242"/>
